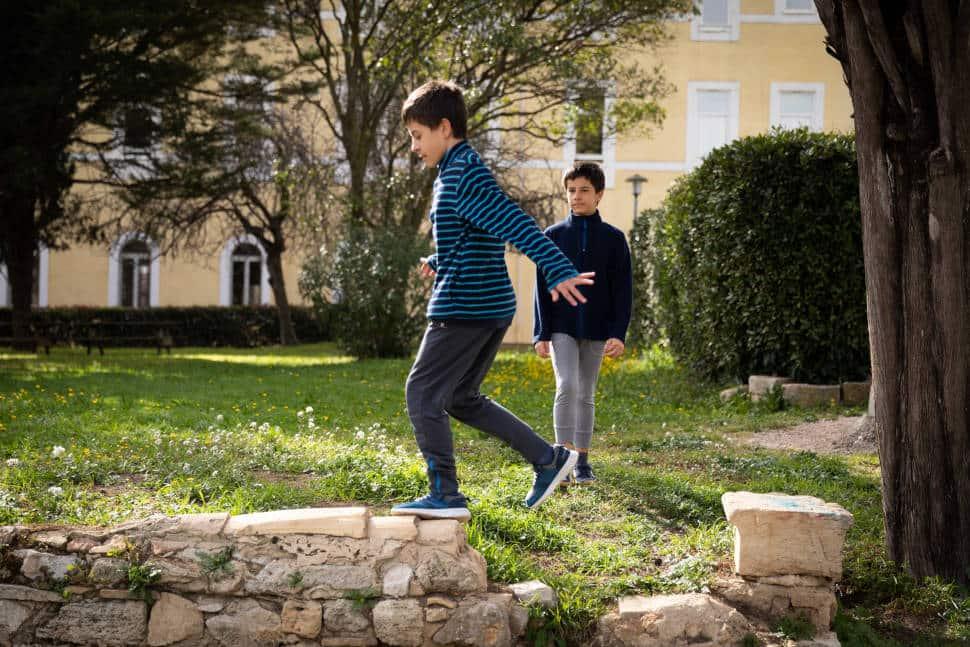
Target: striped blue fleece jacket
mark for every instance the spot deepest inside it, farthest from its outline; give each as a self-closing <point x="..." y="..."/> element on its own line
<point x="472" y="219"/>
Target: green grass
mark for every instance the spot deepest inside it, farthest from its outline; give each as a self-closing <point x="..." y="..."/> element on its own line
<point x="218" y="429"/>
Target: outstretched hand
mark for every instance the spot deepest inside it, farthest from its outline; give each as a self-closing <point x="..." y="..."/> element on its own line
<point x="569" y="289"/>
<point x="425" y="269"/>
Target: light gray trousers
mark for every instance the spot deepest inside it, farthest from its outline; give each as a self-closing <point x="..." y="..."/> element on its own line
<point x="576" y="363"/>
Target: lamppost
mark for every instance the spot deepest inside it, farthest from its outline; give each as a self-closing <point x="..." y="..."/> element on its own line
<point x="637" y="181"/>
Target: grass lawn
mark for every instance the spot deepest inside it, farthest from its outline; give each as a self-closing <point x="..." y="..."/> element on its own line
<point x="248" y="430"/>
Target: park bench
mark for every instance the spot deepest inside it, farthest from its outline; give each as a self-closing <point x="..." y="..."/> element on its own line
<point x="100" y="334"/>
<point x="39" y="337"/>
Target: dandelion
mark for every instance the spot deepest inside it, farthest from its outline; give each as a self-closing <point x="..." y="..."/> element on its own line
<point x="58" y="451"/>
<point x="13" y="462"/>
<point x="55" y="491"/>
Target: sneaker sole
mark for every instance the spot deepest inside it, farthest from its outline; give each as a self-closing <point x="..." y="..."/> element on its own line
<point x="566" y="469"/>
<point x="592" y="480"/>
<point x="459" y="514"/>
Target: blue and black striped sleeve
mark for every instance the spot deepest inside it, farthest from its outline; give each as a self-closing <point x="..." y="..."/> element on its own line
<point x="485" y="205"/>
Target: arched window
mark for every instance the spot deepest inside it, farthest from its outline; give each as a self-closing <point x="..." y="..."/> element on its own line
<point x="133" y="272"/>
<point x="244" y="280"/>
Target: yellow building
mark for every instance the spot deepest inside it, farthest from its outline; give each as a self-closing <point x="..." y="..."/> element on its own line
<point x="738" y="68"/>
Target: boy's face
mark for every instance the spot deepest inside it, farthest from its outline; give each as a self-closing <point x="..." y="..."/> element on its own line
<point x="430" y="144"/>
<point x="583" y="197"/>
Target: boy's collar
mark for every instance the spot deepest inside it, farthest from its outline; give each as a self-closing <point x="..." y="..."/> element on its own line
<point x="593" y="217"/>
<point x="451" y="153"/>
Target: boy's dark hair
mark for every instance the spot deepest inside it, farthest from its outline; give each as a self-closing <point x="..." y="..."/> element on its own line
<point x="434" y="101"/>
<point x="589" y="170"/>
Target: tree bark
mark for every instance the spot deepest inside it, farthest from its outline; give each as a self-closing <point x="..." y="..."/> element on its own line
<point x="19" y="245"/>
<point x="903" y="65"/>
<point x="274" y="264"/>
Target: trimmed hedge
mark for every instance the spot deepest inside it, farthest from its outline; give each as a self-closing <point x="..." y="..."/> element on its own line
<point x="191" y="326"/>
<point x="758" y="264"/>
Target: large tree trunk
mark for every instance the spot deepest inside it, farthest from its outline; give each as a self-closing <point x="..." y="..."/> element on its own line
<point x="20" y="234"/>
<point x="274" y="264"/>
<point x="904" y="64"/>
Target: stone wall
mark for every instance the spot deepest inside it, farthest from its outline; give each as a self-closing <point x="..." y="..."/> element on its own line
<point x="320" y="576"/>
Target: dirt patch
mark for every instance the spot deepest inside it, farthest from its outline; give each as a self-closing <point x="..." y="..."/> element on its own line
<point x="836" y="436"/>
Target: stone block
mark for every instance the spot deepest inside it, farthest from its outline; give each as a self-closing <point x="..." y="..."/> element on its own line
<point x="856" y="393"/>
<point x="773" y="602"/>
<point x="100" y="622"/>
<point x="244" y="623"/>
<point x="348" y="641"/>
<point x="27" y="594"/>
<point x="442" y="601"/>
<point x="483" y="624"/>
<point x="283" y="577"/>
<point x="162" y="547"/>
<point x="730" y="392"/>
<point x="36" y="565"/>
<point x="440" y="572"/>
<point x="518" y="620"/>
<point x="399" y="622"/>
<point x="181" y="576"/>
<point x="12" y="615"/>
<point x="324" y="549"/>
<point x="205" y="524"/>
<point x="666" y="620"/>
<point x="343" y="616"/>
<point x="338" y="522"/>
<point x="811" y="395"/>
<point x="118" y="594"/>
<point x="56" y="539"/>
<point x="397" y="580"/>
<point x="446" y="534"/>
<point x="302" y="617"/>
<point x="207" y="604"/>
<point x="173" y="618"/>
<point x="760" y="385"/>
<point x="115" y="545"/>
<point x="400" y="528"/>
<point x="109" y="571"/>
<point x="777" y="534"/>
<point x="533" y="592"/>
<point x="436" y="614"/>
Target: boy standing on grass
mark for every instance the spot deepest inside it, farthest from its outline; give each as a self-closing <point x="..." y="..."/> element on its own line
<point x="578" y="338"/>
<point x="471" y="306"/>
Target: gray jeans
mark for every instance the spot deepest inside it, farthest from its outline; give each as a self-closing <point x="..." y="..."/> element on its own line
<point x="444" y="381"/>
<point x="576" y="363"/>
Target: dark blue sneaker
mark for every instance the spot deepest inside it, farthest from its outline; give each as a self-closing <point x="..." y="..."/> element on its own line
<point x="584" y="474"/>
<point x="548" y="477"/>
<point x="432" y="507"/>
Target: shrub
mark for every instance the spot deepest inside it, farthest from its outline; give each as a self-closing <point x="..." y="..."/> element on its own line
<point x="758" y="263"/>
<point x="644" y="327"/>
<point x="370" y="290"/>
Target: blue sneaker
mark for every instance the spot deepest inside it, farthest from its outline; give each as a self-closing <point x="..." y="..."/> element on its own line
<point x="584" y="474"/>
<point x="548" y="477"/>
<point x="432" y="507"/>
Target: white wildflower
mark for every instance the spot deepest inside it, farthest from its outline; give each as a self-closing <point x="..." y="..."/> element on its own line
<point x="186" y="468"/>
<point x="312" y="425"/>
<point x="55" y="491"/>
<point x="361" y="435"/>
<point x="58" y="451"/>
<point x="13" y="462"/>
<point x="220" y="418"/>
<point x="299" y="414"/>
<point x="309" y="409"/>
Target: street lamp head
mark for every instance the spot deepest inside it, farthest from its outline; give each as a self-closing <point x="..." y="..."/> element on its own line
<point x="637" y="181"/>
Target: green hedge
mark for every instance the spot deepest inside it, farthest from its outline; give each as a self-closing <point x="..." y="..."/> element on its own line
<point x="191" y="326"/>
<point x="758" y="264"/>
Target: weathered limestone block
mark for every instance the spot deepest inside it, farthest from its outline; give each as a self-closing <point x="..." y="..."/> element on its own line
<point x="436" y="614"/>
<point x="399" y="622"/>
<point x="99" y="622"/>
<point x="732" y="391"/>
<point x="480" y="624"/>
<point x="109" y="571"/>
<point x="533" y="592"/>
<point x="323" y="549"/>
<point x="399" y="528"/>
<point x="38" y="566"/>
<point x="828" y="639"/>
<point x="777" y="534"/>
<point x="283" y="577"/>
<point x="339" y="522"/>
<point x="80" y="544"/>
<point x="164" y="547"/>
<point x="343" y="616"/>
<point x="228" y="580"/>
<point x="173" y="618"/>
<point x="811" y="395"/>
<point x="856" y="393"/>
<point x="761" y="385"/>
<point x="672" y="621"/>
<point x="445" y="534"/>
<point x="348" y="641"/>
<point x="204" y="524"/>
<point x="245" y="623"/>
<point x="772" y="601"/>
<point x="115" y="545"/>
<point x="12" y="615"/>
<point x="208" y="604"/>
<point x="441" y="572"/>
<point x="518" y="620"/>
<point x="302" y="617"/>
<point x="55" y="539"/>
<point x="27" y="594"/>
<point x="181" y="576"/>
<point x="397" y="580"/>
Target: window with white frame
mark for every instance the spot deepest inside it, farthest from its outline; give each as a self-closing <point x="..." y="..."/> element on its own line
<point x="243" y="277"/>
<point x="795" y="6"/>
<point x="590" y="135"/>
<point x="133" y="272"/>
<point x="797" y="105"/>
<point x="712" y="117"/>
<point x="716" y="20"/>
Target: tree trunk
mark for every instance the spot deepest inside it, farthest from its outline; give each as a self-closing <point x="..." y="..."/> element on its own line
<point x="21" y="241"/>
<point x="274" y="264"/>
<point x="903" y="65"/>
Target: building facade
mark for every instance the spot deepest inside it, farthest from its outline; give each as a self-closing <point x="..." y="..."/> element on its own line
<point x="739" y="67"/>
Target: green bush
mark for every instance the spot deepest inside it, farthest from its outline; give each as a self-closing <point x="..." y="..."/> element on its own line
<point x="370" y="289"/>
<point x="758" y="265"/>
<point x="644" y="328"/>
<point x="243" y="326"/>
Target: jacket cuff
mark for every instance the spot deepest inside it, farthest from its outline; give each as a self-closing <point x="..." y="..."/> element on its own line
<point x="542" y="336"/>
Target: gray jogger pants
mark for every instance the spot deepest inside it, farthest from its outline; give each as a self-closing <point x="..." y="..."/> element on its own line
<point x="444" y="381"/>
<point x="576" y="363"/>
